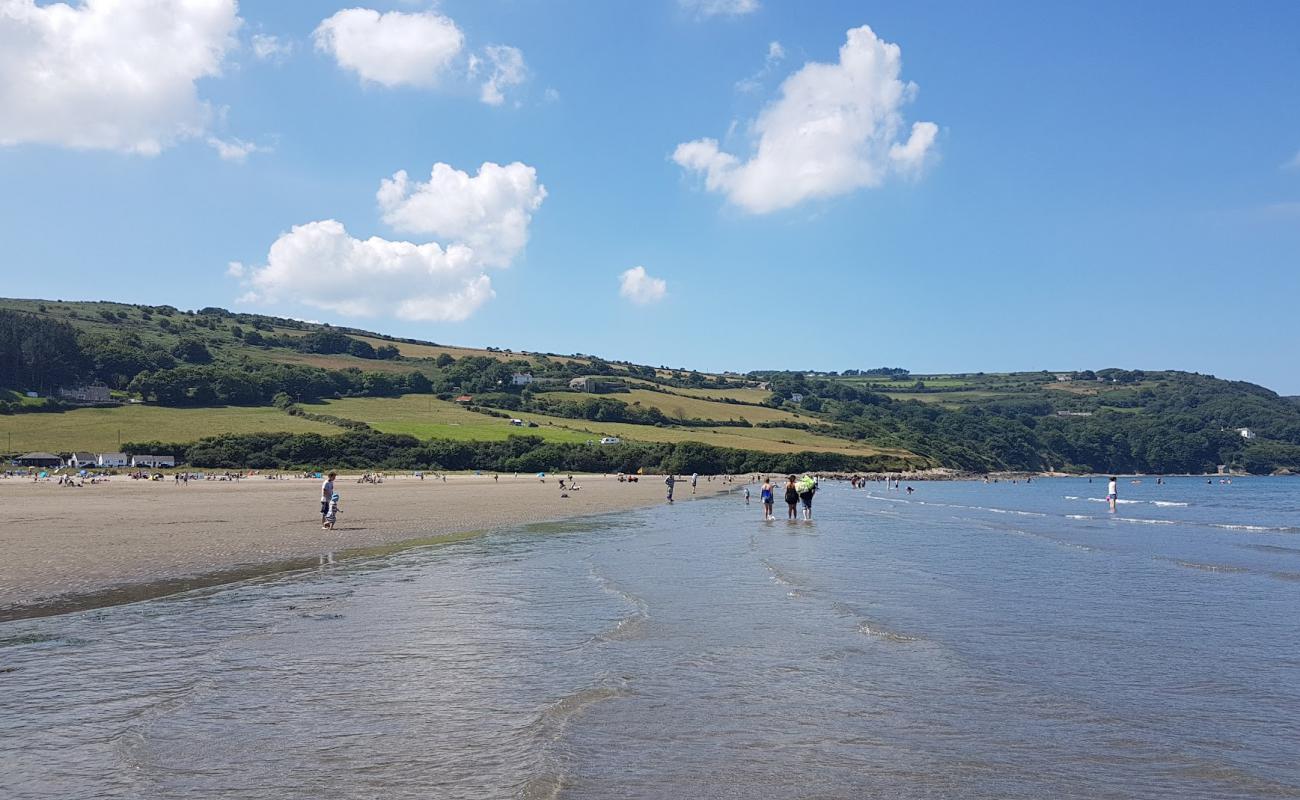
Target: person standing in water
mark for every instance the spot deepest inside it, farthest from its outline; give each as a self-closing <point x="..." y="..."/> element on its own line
<point x="766" y="495"/>
<point x="669" y="482"/>
<point x="792" y="498"/>
<point x="1112" y="492"/>
<point x="806" y="493"/>
<point x="695" y="478"/>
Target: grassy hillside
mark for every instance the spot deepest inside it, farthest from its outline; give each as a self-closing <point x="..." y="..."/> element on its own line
<point x="193" y="374"/>
<point x="678" y="405"/>
<point x="429" y="418"/>
<point x="97" y="429"/>
<point x="164" y="327"/>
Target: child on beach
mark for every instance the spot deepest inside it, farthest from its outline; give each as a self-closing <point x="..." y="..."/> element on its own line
<point x="331" y="513"/>
<point x="669" y="482"/>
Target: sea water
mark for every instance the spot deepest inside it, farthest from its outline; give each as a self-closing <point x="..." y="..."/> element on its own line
<point x="968" y="640"/>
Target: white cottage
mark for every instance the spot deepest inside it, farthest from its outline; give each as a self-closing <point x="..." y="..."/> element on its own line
<point x="153" y="460"/>
<point x="82" y="460"/>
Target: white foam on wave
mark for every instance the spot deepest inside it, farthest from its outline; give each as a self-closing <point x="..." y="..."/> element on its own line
<point x="1167" y="503"/>
<point x="1144" y="521"/>
<point x="888" y="499"/>
<point x="1254" y="528"/>
<point x="1078" y="516"/>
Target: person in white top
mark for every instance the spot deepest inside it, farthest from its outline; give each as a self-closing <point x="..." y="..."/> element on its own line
<point x="326" y="492"/>
<point x="1112" y="492"/>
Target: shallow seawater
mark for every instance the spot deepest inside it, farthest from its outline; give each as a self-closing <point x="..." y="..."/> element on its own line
<point x="969" y="640"/>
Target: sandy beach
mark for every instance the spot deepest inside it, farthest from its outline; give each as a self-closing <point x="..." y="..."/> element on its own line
<point x="67" y="548"/>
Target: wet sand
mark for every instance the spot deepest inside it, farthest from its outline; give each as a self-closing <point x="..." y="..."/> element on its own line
<point x="66" y="548"/>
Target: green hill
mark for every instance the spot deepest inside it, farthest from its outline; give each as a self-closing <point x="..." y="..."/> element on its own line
<point x="282" y="392"/>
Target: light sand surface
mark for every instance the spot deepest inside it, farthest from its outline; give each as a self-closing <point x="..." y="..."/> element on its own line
<point x="65" y="548"/>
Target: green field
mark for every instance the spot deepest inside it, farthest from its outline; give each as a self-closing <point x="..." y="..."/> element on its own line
<point x="428" y="418"/>
<point x="97" y="429"/>
<point x="680" y="406"/>
<point x="746" y="395"/>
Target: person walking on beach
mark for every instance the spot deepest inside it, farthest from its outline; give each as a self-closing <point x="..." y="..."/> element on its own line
<point x="670" y="481"/>
<point x="765" y="494"/>
<point x="1112" y="492"/>
<point x="695" y="478"/>
<point x="792" y="499"/>
<point x="746" y="495"/>
<point x="326" y="492"/>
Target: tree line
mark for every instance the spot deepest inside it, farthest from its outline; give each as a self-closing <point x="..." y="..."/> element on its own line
<point x="373" y="450"/>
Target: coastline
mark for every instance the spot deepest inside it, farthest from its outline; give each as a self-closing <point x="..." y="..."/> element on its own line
<point x="68" y="549"/>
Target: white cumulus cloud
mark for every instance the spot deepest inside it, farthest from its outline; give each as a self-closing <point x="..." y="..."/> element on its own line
<point x="835" y="128"/>
<point x="394" y="48"/>
<point x="110" y="74"/>
<point x="714" y="8"/>
<point x="640" y="287"/>
<point x="321" y="265"/>
<point x="271" y="48"/>
<point x="482" y="222"/>
<point x="489" y="212"/>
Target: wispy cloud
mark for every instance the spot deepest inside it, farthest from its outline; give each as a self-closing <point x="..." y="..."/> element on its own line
<point x="775" y="55"/>
<point x="236" y="150"/>
<point x="719" y="8"/>
<point x="271" y="48"/>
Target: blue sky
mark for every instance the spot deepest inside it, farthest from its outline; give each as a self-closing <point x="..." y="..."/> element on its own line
<point x="1115" y="184"/>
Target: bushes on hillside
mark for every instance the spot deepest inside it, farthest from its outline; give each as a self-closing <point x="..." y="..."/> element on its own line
<point x="368" y="449"/>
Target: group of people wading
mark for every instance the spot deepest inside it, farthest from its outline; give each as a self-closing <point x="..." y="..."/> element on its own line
<point x="797" y="491"/>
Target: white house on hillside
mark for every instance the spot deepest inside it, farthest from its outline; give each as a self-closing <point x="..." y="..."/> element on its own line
<point x="1246" y="433"/>
<point x="521" y="378"/>
<point x="113" y="460"/>
<point x="94" y="393"/>
<point x="796" y="397"/>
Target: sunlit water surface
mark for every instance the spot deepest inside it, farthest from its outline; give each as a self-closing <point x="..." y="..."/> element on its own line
<point x="969" y="640"/>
